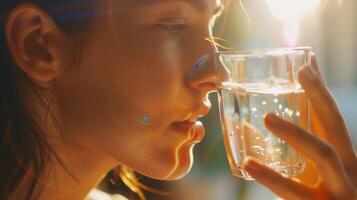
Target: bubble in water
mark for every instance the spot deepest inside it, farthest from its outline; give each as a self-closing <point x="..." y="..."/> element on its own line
<point x="280" y="106"/>
<point x="231" y="133"/>
<point x="258" y="149"/>
<point x="290" y="113"/>
<point x="276" y="100"/>
<point x="267" y="140"/>
<point x="270" y="148"/>
<point x="274" y="164"/>
<point x="253" y="109"/>
<point x="298" y="114"/>
<point x="264" y="102"/>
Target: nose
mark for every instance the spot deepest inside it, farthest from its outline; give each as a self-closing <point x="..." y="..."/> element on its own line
<point x="202" y="76"/>
<point x="205" y="73"/>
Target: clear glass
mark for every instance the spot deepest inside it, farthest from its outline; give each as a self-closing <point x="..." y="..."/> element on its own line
<point x="252" y="84"/>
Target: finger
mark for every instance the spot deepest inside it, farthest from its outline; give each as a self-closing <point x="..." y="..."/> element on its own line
<point x="283" y="187"/>
<point x="323" y="154"/>
<point x="248" y="137"/>
<point x="314" y="64"/>
<point x="328" y="113"/>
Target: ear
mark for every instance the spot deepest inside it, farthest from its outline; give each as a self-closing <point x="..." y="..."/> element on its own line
<point x="37" y="45"/>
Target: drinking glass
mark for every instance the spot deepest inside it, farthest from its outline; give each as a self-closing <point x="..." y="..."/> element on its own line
<point x="250" y="85"/>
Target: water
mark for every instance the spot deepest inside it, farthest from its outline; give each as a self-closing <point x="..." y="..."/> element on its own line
<point x="242" y="108"/>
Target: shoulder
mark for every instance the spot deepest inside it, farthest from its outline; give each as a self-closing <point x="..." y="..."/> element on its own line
<point x="96" y="194"/>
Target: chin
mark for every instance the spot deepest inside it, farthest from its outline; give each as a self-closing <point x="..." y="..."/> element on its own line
<point x="178" y="175"/>
<point x="183" y="164"/>
<point x="168" y="163"/>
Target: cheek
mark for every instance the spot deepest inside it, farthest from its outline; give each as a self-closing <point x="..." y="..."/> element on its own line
<point x="146" y="79"/>
<point x="148" y="84"/>
<point x="142" y="100"/>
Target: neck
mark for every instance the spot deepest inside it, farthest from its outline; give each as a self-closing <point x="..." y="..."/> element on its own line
<point x="79" y="172"/>
<point x="76" y="171"/>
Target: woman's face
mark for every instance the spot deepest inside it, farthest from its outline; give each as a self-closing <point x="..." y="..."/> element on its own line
<point x="138" y="91"/>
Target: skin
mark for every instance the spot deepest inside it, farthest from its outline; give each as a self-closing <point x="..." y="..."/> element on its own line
<point x="137" y="62"/>
<point x="140" y="67"/>
<point x="334" y="156"/>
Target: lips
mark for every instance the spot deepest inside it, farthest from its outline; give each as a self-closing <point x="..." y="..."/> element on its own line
<point x="193" y="130"/>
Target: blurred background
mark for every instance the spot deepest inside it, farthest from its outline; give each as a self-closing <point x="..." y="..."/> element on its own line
<point x="329" y="27"/>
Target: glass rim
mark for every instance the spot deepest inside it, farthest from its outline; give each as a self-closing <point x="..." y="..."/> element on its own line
<point x="261" y="52"/>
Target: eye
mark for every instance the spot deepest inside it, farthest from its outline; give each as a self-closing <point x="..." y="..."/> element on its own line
<point x="173" y="25"/>
<point x="174" y="28"/>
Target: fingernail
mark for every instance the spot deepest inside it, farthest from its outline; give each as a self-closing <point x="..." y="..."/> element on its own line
<point x="201" y="61"/>
<point x="308" y="73"/>
<point x="272" y="119"/>
<point x="250" y="164"/>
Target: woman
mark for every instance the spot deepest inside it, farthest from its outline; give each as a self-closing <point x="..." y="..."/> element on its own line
<point x="90" y="85"/>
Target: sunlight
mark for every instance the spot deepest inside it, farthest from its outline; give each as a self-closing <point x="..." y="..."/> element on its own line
<point x="291" y="11"/>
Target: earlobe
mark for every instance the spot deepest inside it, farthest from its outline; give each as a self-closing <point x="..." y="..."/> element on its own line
<point x="36" y="44"/>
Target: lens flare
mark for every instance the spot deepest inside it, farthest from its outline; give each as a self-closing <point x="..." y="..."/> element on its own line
<point x="291" y="12"/>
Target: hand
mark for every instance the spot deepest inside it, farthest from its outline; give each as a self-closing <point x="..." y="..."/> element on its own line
<point x="334" y="157"/>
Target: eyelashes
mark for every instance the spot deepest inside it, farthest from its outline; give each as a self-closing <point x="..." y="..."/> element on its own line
<point x="174" y="28"/>
<point x="173" y="25"/>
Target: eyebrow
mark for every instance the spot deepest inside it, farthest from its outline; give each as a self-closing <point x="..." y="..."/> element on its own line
<point x="199" y="5"/>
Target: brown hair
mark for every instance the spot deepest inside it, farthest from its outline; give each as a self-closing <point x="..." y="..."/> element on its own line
<point x="24" y="149"/>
